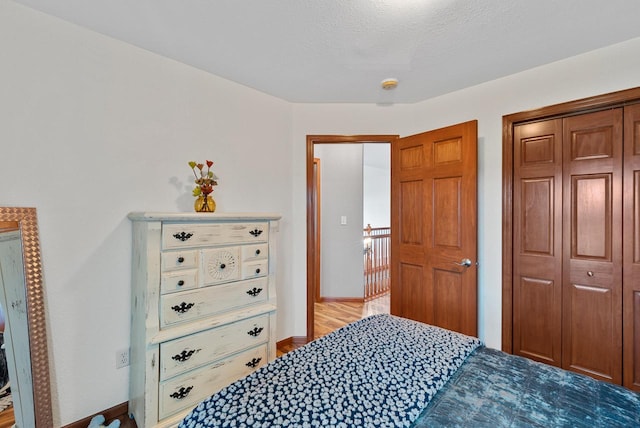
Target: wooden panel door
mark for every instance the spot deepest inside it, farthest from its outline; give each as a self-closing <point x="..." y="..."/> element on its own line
<point x="631" y="248"/>
<point x="434" y="222"/>
<point x="592" y="212"/>
<point x="537" y="241"/>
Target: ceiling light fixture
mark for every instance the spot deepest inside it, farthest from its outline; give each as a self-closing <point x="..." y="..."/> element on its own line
<point x="389" y="83"/>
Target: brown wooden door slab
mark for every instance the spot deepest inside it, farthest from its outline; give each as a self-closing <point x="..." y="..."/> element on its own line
<point x="537" y="241"/>
<point x="434" y="227"/>
<point x="631" y="248"/>
<point x="592" y="212"/>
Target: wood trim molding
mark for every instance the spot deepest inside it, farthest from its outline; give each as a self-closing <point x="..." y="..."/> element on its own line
<point x="599" y="102"/>
<point x="293" y="340"/>
<point x="318" y="230"/>
<point x="507" y="235"/>
<point x="311" y="245"/>
<point x="341" y="300"/>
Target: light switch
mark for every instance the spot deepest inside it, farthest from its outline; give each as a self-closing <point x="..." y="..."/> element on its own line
<point x="343" y="220"/>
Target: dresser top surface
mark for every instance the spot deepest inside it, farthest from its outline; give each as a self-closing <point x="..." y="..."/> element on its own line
<point x="201" y="217"/>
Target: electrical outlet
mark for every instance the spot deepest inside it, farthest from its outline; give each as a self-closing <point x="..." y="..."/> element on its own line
<point x="122" y="358"/>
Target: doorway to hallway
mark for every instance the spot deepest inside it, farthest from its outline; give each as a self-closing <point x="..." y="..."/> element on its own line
<point x="315" y="225"/>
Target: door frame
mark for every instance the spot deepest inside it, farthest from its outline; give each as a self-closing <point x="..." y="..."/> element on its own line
<point x="584" y="105"/>
<point x="312" y="246"/>
<point x="317" y="191"/>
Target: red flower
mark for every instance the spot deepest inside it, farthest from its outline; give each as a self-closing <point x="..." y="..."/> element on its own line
<point x="209" y="163"/>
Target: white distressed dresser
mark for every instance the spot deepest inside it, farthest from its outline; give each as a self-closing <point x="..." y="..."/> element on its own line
<point x="203" y="307"/>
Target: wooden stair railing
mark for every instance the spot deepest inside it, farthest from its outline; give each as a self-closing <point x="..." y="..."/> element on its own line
<point x="377" y="253"/>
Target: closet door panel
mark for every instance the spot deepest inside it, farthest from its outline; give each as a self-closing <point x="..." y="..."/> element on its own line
<point x="591" y="215"/>
<point x="536" y="297"/>
<point x="537" y="279"/>
<point x="631" y="251"/>
<point x="592" y="225"/>
<point x="588" y="350"/>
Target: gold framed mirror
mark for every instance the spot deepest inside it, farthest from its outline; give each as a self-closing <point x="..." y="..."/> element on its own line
<point x="26" y="221"/>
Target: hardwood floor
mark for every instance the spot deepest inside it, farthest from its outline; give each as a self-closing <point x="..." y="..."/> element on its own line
<point x="6" y="418"/>
<point x="330" y="316"/>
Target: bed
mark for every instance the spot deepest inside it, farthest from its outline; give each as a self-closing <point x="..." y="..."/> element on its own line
<point x="386" y="371"/>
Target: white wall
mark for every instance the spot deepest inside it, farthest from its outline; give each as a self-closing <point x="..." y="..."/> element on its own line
<point x="376" y="183"/>
<point x="605" y="70"/>
<point x="91" y="129"/>
<point x="341" y="261"/>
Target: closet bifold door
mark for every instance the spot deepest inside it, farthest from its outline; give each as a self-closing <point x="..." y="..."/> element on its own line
<point x="592" y="245"/>
<point x="537" y="241"/>
<point x="631" y="251"/>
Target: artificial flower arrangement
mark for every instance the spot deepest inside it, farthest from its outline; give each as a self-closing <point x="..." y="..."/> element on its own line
<point x="205" y="180"/>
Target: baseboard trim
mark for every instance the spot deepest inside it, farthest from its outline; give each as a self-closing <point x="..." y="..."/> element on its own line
<point x="341" y="299"/>
<point x="119" y="411"/>
<point x="293" y="340"/>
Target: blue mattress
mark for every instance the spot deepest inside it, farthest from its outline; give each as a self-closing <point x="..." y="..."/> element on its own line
<point x="494" y="389"/>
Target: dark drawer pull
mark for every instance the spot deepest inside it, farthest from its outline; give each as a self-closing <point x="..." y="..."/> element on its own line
<point x="257" y="252"/>
<point x="182" y="393"/>
<point x="184" y="307"/>
<point x="255" y="332"/>
<point x="255" y="232"/>
<point x="184" y="355"/>
<point x="253" y="363"/>
<point x="181" y="283"/>
<point x="254" y="291"/>
<point x="183" y="236"/>
<point x="257" y="270"/>
<point x="180" y="259"/>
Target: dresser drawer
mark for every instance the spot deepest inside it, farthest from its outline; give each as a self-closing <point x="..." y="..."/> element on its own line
<point x="178" y="280"/>
<point x="172" y="260"/>
<point x="202" y="302"/>
<point x="187" y="390"/>
<point x="255" y="252"/>
<point x="254" y="269"/>
<point x="181" y="235"/>
<point x="181" y="355"/>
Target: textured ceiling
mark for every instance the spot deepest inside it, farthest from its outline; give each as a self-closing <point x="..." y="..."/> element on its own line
<point x="340" y="50"/>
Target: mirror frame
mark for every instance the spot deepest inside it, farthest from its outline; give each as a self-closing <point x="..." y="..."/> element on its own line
<point x="38" y="347"/>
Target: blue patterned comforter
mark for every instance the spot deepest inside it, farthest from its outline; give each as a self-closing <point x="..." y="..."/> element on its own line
<point x="381" y="371"/>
